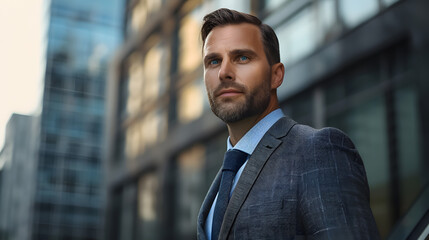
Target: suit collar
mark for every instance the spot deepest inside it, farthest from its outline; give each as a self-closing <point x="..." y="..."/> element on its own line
<point x="252" y="137"/>
<point x="282" y="127"/>
<point x="255" y="164"/>
<point x="269" y="142"/>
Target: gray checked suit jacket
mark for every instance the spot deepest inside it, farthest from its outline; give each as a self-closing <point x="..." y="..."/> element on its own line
<point x="299" y="183"/>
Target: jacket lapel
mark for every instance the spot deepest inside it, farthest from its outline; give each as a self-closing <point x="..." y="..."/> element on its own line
<point x="205" y="207"/>
<point x="269" y="142"/>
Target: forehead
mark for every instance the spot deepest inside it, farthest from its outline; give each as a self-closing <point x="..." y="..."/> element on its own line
<point x="233" y="36"/>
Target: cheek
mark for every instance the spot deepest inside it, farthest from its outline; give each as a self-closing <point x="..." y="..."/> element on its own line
<point x="209" y="87"/>
<point x="255" y="79"/>
<point x="209" y="80"/>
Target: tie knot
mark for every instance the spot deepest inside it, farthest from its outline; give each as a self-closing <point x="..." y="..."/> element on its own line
<point x="233" y="160"/>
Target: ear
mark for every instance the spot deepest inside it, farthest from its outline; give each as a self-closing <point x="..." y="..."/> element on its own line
<point x="277" y="74"/>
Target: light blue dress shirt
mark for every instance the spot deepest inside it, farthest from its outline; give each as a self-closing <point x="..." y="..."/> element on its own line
<point x="246" y="144"/>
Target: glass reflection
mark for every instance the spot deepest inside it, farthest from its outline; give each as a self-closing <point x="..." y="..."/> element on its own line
<point x="191" y="102"/>
<point x="146" y="80"/>
<point x="190" y="43"/>
<point x="135" y="83"/>
<point x="148" y="186"/>
<point x="138" y="16"/>
<point x="189" y="178"/>
<point x="144" y="132"/>
<point x="142" y="11"/>
<point x="389" y="2"/>
<point x="409" y="149"/>
<point x="273" y="4"/>
<point x="299" y="36"/>
<point x="151" y="71"/>
<point x="354" y="12"/>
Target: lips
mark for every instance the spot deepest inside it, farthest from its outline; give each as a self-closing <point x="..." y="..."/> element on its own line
<point x="229" y="92"/>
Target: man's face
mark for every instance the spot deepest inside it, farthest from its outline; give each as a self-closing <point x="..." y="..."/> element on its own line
<point x="236" y="72"/>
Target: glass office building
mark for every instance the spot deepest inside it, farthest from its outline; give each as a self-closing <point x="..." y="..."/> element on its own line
<point x="17" y="165"/>
<point x="360" y="66"/>
<point x="69" y="201"/>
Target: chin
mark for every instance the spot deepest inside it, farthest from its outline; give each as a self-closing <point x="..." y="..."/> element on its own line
<point x="231" y="115"/>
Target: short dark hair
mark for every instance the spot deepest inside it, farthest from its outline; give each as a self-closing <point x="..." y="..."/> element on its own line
<point x="224" y="16"/>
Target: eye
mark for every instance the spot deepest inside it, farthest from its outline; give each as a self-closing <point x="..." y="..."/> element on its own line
<point x="243" y="58"/>
<point x="214" y="62"/>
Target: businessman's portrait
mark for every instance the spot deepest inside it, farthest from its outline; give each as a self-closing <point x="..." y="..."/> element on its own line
<point x="265" y="119"/>
<point x="279" y="179"/>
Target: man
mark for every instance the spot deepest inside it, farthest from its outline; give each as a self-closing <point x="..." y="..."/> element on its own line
<point x="296" y="182"/>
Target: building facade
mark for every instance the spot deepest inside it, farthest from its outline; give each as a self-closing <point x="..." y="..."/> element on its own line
<point x="69" y="198"/>
<point x="17" y="167"/>
<point x="360" y="66"/>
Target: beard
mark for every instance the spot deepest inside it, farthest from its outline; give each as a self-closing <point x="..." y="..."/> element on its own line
<point x="231" y="110"/>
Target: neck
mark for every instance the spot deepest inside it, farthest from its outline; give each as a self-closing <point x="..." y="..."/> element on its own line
<point x="238" y="129"/>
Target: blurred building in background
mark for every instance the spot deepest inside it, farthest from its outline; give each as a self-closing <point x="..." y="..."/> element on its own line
<point x="360" y="66"/>
<point x="17" y="171"/>
<point x="69" y="201"/>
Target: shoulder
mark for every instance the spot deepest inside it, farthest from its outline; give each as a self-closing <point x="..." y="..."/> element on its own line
<point x="304" y="144"/>
<point x="328" y="135"/>
<point x="332" y="184"/>
<point x="322" y="148"/>
<point x="294" y="133"/>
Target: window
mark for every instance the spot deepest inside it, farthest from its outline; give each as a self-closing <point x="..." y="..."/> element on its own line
<point x="239" y="5"/>
<point x="127" y="212"/>
<point x="188" y="188"/>
<point x="57" y="78"/>
<point x="375" y="103"/>
<point x="271" y="5"/>
<point x="51" y="140"/>
<point x="355" y="12"/>
<point x="144" y="132"/>
<point x="119" y="147"/>
<point x="135" y="83"/>
<point x="299" y="36"/>
<point x="191" y="101"/>
<point x="411" y="168"/>
<point x="141" y="11"/>
<point x="148" y="218"/>
<point x="300" y="108"/>
<point x="389" y="2"/>
<point x="80" y="83"/>
<point x="154" y="77"/>
<point x="148" y="78"/>
<point x="189" y="42"/>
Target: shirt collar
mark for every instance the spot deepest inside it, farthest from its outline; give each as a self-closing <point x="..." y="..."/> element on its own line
<point x="251" y="139"/>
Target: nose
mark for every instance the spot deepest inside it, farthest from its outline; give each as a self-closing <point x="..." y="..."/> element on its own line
<point x="226" y="71"/>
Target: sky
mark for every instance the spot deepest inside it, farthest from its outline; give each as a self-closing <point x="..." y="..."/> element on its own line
<point x="21" y="58"/>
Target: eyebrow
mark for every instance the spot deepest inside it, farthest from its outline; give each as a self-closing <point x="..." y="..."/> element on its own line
<point x="235" y="52"/>
<point x="247" y="52"/>
<point x="210" y="56"/>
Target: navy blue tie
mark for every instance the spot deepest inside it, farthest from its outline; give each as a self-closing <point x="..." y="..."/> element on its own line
<point x="232" y="161"/>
